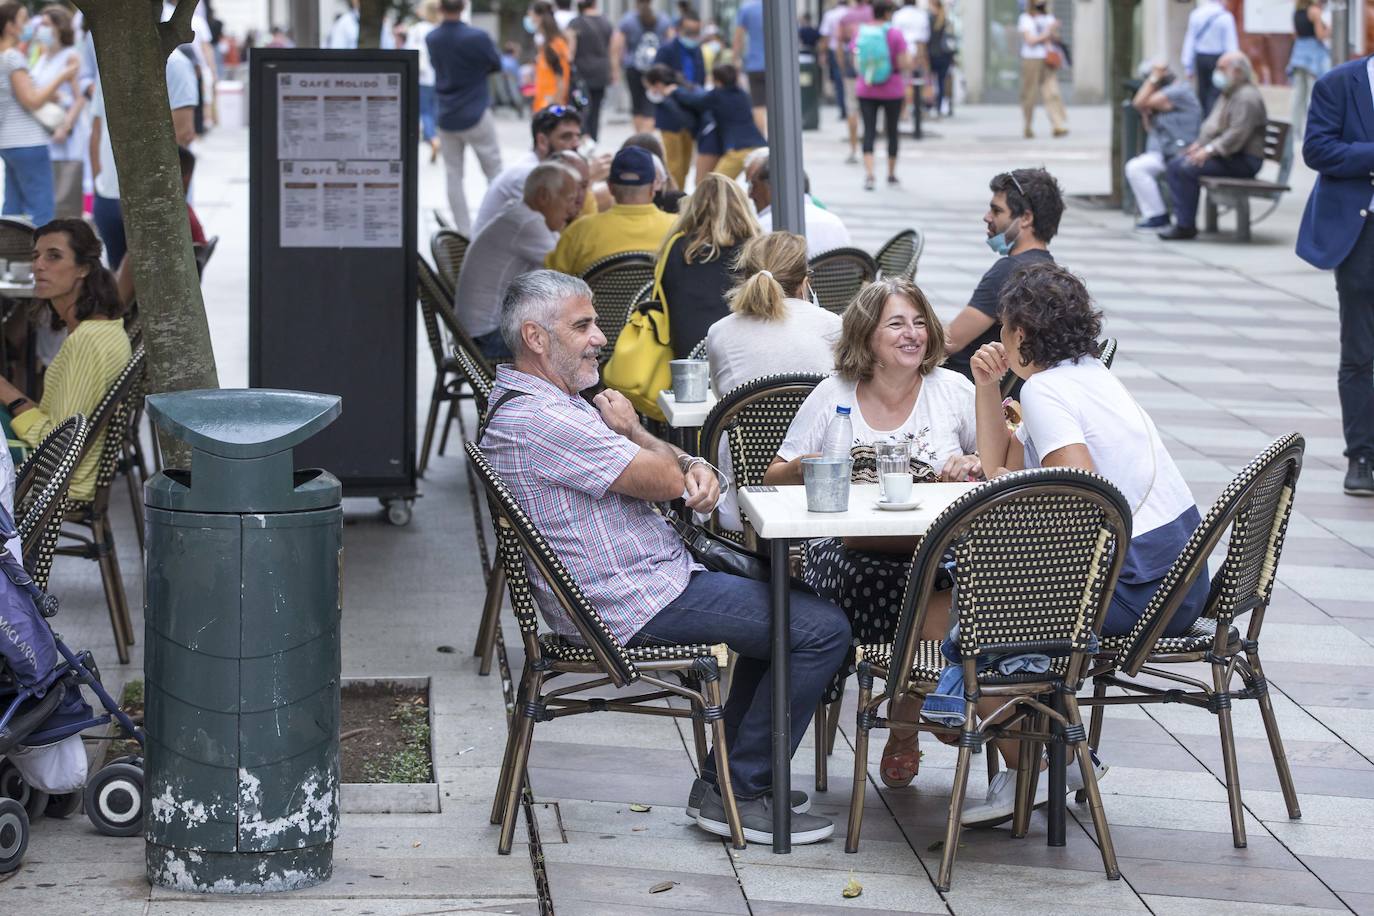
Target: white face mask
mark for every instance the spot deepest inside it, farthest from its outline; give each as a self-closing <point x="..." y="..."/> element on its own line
<point x="654" y="96"/>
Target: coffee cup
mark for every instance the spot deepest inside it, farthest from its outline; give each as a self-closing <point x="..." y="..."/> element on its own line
<point x="897" y="487"/>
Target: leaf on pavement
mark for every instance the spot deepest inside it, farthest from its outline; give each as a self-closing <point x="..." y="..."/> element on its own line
<point x="640" y="809"/>
<point x="852" y="888"/>
<point x="662" y="886"/>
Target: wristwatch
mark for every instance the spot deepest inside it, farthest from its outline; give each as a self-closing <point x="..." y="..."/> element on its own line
<point x="14" y="405"/>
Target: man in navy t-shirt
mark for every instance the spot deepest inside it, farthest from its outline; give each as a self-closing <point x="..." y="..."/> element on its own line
<point x="463" y="58"/>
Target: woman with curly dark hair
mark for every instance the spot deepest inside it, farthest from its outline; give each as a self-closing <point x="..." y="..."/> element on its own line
<point x="1075" y="413"/>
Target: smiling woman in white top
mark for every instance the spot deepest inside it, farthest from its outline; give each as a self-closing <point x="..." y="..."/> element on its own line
<point x="888" y="372"/>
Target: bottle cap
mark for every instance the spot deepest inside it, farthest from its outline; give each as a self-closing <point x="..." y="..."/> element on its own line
<point x="842" y="410"/>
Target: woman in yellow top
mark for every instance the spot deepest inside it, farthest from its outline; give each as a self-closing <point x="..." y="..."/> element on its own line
<point x="67" y="273"/>
<point x="553" y="63"/>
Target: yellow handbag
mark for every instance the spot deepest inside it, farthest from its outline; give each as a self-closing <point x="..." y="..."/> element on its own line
<point x="638" y="367"/>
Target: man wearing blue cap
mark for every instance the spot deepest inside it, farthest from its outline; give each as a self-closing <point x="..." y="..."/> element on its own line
<point x="633" y="224"/>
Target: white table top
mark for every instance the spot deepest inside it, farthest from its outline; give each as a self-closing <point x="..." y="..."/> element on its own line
<point x="684" y="415"/>
<point x="780" y="512"/>
<point x="16" y="290"/>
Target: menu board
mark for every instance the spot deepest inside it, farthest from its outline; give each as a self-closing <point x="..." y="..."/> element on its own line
<point x="339" y="153"/>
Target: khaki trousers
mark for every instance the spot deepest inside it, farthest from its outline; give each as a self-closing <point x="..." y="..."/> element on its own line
<point x="732" y="163"/>
<point x="678" y="146"/>
<point x="1039" y="79"/>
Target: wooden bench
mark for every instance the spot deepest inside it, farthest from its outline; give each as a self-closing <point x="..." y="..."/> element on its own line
<point x="1237" y="192"/>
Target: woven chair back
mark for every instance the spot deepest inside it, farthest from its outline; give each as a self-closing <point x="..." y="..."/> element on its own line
<point x="1255" y="506"/>
<point x="109" y="423"/>
<point x="16" y="239"/>
<point x="40" y="493"/>
<point x="699" y="351"/>
<point x="479" y="378"/>
<point x="1036" y="556"/>
<point x="838" y="275"/>
<point x="900" y="254"/>
<point x="529" y="546"/>
<point x="755" y="417"/>
<point x="617" y="283"/>
<point x="1106" y="351"/>
<point x="449" y="249"/>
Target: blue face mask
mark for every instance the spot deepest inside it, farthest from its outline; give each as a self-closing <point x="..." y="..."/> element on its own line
<point x="688" y="43"/>
<point x="1220" y="80"/>
<point x="1001" y="244"/>
<point x="530" y="25"/>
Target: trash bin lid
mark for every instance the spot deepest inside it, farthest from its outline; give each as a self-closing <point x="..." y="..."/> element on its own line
<point x="243" y="422"/>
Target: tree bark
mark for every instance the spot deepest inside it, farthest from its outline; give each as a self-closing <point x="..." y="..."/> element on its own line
<point x="371" y="18"/>
<point x="131" y="49"/>
<point x="1121" y="30"/>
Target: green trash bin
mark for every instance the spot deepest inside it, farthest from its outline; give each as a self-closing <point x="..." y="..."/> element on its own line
<point x="810" y="76"/>
<point x="241" y="665"/>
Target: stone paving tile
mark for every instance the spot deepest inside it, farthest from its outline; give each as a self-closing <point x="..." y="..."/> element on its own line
<point x="629" y="887"/>
<point x="1016" y="890"/>
<point x="803" y="887"/>
<point x="1223" y="882"/>
<point x="1174" y="905"/>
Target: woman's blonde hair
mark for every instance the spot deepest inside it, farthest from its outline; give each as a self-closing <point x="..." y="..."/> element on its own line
<point x="771" y="267"/>
<point x="716" y="216"/>
<point x="854" y="360"/>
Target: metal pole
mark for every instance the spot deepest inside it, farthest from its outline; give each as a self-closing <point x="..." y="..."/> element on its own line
<point x="784" y="114"/>
<point x="1340" y="31"/>
<point x="780" y="588"/>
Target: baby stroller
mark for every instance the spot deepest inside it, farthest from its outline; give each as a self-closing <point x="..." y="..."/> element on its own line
<point x="42" y="716"/>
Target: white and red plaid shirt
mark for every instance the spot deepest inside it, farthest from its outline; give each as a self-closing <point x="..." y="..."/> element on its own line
<point x="559" y="459"/>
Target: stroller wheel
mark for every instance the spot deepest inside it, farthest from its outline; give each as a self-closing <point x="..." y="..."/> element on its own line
<point x="13" y="786"/>
<point x="114" y="800"/>
<point x="63" y="805"/>
<point x="14" y="834"/>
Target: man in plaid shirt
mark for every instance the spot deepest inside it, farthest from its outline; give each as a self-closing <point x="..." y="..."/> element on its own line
<point x="587" y="475"/>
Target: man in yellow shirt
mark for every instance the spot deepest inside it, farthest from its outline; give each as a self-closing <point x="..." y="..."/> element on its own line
<point x="632" y="224"/>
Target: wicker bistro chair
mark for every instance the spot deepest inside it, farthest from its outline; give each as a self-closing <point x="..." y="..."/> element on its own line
<point x="449" y="248"/>
<point x="40" y="493"/>
<point x="1036" y="555"/>
<point x="481" y="383"/>
<point x="838" y="275"/>
<point x="94" y="539"/>
<point x="16" y="238"/>
<point x="1106" y="351"/>
<point x="900" y="254"/>
<point x="1255" y="506"/>
<point x="436" y="310"/>
<point x="617" y="286"/>
<point x="699" y="351"/>
<point x="600" y="656"/>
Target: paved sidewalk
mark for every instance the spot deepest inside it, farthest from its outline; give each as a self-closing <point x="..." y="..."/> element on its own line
<point x="1227" y="345"/>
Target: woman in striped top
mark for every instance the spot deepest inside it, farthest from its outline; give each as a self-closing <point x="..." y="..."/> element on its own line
<point x="68" y="274"/>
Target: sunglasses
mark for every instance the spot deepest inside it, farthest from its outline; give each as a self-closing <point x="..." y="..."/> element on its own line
<point x="1020" y="190"/>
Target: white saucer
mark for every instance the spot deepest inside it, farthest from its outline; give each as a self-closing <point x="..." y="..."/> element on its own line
<point x="897" y="507"/>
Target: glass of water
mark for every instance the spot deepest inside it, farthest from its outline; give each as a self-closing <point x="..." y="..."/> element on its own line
<point x="893" y="458"/>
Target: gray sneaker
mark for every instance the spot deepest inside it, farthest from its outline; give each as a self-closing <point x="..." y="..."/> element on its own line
<point x="700" y="787"/>
<point x="756" y="817"/>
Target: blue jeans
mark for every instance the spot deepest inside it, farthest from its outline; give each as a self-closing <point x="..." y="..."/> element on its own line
<point x="1185" y="187"/>
<point x="109" y="222"/>
<point x="716" y="607"/>
<point x="429" y="111"/>
<point x="836" y="79"/>
<point x="28" y="183"/>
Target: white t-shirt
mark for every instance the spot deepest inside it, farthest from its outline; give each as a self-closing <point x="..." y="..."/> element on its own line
<point x="830" y="22"/>
<point x="563" y="17"/>
<point x="914" y="24"/>
<point x="824" y="230"/>
<point x="1083" y="403"/>
<point x="1036" y="25"/>
<point x="415" y="41"/>
<point x="183" y="91"/>
<point x="505" y="189"/>
<point x="942" y="424"/>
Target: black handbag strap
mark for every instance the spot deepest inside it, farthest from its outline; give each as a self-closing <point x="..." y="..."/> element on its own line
<point x="510" y="395"/>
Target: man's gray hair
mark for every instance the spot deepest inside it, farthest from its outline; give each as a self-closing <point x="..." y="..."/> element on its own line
<point x="1241" y="61"/>
<point x="537" y="296"/>
<point x="759" y="155"/>
<point x="548" y="178"/>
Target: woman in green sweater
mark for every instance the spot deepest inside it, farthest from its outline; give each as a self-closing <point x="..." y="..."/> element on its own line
<point x="67" y="273"/>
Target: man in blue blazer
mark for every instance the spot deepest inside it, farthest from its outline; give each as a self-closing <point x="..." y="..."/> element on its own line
<point x="1338" y="232"/>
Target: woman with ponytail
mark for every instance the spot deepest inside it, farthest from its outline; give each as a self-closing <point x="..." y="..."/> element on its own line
<point x="772" y="329"/>
<point x="698" y="258"/>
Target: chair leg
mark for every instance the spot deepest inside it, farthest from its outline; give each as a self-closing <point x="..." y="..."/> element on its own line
<point x="1085" y="766"/>
<point x="1271" y="731"/>
<point x="430" y="419"/>
<point x="832" y="726"/>
<point x="1211" y="220"/>
<point x="818" y="727"/>
<point x="1243" y="218"/>
<point x="448" y="424"/>
<point x="711" y="685"/>
<point x="523" y="729"/>
<point x="956" y="810"/>
<point x="994" y="760"/>
<point x="109" y="574"/>
<point x="491" y="618"/>
<point x="1095" y="718"/>
<point x="856" y="796"/>
<point x="1221" y="686"/>
<point x="1025" y="775"/>
<point x="503" y="778"/>
<point x="135" y="500"/>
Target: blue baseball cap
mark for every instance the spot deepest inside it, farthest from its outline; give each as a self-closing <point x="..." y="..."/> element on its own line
<point x="632" y="166"/>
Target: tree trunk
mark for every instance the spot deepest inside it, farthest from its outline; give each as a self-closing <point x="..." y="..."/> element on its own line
<point x="1121" y="19"/>
<point x="371" y="18"/>
<point x="131" y="48"/>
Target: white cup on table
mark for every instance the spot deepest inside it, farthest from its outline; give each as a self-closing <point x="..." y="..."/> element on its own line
<point x="897" y="487"/>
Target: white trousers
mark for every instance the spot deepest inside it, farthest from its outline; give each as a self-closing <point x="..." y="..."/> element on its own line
<point x="1143" y="174"/>
<point x="453" y="146"/>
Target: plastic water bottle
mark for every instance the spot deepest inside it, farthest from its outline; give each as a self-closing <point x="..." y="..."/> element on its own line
<point x="839" y="436"/>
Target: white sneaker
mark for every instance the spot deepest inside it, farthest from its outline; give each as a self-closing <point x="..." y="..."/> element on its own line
<point x="1000" y="803"/>
<point x="1073" y="775"/>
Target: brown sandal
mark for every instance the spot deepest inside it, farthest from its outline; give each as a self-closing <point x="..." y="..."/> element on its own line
<point x="898" y="769"/>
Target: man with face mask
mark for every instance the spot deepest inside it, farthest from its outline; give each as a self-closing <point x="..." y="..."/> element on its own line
<point x="1171" y="114"/>
<point x="1022" y="218"/>
<point x="587" y="474"/>
<point x="678" y="127"/>
<point x="1231" y="142"/>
